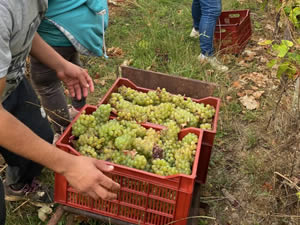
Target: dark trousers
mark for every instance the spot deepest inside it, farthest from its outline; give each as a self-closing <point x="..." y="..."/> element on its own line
<point x="2" y="204"/>
<point x="25" y="106"/>
<point x="51" y="91"/>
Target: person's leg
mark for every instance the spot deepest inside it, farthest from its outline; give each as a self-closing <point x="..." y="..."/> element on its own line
<point x="210" y="12"/>
<point x="196" y="14"/>
<point x="2" y="204"/>
<point x="51" y="91"/>
<point x="25" y="106"/>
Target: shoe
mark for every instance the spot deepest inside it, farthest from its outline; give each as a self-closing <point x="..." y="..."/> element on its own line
<point x="73" y="112"/>
<point x="213" y="61"/>
<point x="34" y="192"/>
<point x="194" y="33"/>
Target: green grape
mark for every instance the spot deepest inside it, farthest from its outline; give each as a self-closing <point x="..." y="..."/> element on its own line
<point x="139" y="162"/>
<point x="124" y="142"/>
<point x="102" y="113"/>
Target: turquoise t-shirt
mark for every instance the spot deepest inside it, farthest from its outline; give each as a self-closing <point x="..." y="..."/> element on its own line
<point x="77" y="23"/>
<point x="52" y="35"/>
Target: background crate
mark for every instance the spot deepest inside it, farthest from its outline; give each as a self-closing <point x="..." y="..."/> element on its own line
<point x="233" y="31"/>
<point x="208" y="135"/>
<point x="144" y="198"/>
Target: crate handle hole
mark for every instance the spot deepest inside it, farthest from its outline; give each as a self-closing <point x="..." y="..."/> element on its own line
<point x="220" y="31"/>
<point x="234" y="15"/>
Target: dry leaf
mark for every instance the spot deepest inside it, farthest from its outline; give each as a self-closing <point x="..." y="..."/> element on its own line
<point x="250" y="55"/>
<point x="240" y="94"/>
<point x="99" y="81"/>
<point x="228" y="98"/>
<point x="263" y="59"/>
<point x="114" y="51"/>
<point x="43" y="212"/>
<point x="237" y="85"/>
<point x="243" y="63"/>
<point x="254" y="87"/>
<point x="258" y="94"/>
<point x="249" y="102"/>
<point x="248" y="92"/>
<point x="270" y="27"/>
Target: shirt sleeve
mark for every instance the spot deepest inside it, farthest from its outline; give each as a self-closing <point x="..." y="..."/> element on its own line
<point x="5" y="34"/>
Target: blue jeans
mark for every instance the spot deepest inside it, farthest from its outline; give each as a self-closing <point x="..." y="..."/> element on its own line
<point x="205" y="14"/>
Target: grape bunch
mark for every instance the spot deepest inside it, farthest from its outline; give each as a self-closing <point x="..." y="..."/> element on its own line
<point x="128" y="143"/>
<point x="159" y="107"/>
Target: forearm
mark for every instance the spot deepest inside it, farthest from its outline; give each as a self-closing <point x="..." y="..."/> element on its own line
<point x="17" y="138"/>
<point x="43" y="52"/>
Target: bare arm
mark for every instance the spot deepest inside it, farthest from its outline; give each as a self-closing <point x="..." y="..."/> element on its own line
<point x="83" y="173"/>
<point x="75" y="78"/>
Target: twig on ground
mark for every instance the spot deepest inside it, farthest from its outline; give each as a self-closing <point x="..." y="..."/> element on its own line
<point x="291" y="183"/>
<point x="20" y="205"/>
<point x="3" y="168"/>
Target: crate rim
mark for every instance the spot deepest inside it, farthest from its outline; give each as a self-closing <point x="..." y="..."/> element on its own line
<point x="235" y="11"/>
<point x="217" y="108"/>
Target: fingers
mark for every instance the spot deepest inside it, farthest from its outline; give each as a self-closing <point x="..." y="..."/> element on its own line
<point x="105" y="181"/>
<point x="89" y="80"/>
<point x="83" y="78"/>
<point x="77" y="89"/>
<point x="104" y="194"/>
<point x="71" y="91"/>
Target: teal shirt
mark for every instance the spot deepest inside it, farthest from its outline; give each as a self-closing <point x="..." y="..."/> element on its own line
<point x="75" y="22"/>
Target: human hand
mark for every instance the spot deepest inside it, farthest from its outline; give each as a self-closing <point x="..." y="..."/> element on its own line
<point x="85" y="175"/>
<point x="76" y="79"/>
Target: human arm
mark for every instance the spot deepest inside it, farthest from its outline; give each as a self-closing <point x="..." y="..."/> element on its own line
<point x="83" y="173"/>
<point x="75" y="78"/>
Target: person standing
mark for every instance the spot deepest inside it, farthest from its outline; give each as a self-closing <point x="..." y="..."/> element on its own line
<point x="71" y="27"/>
<point x="205" y="15"/>
<point x="25" y="134"/>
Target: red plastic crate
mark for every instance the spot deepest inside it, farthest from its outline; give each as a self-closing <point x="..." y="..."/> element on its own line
<point x="208" y="135"/>
<point x="233" y="31"/>
<point x="144" y="198"/>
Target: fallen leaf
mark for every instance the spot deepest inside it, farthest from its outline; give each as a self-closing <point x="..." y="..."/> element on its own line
<point x="254" y="87"/>
<point x="264" y="59"/>
<point x="114" y="51"/>
<point x="258" y="94"/>
<point x="99" y="81"/>
<point x="249" y="102"/>
<point x="267" y="186"/>
<point x="228" y="98"/>
<point x="240" y="94"/>
<point x="270" y="27"/>
<point x="243" y="63"/>
<point x="250" y="55"/>
<point x="237" y="85"/>
<point x="43" y="213"/>
<point x="248" y="92"/>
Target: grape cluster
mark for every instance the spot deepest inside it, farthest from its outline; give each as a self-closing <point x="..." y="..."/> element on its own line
<point x="128" y="143"/>
<point x="159" y="107"/>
